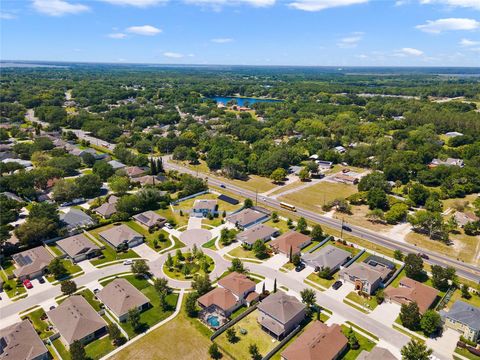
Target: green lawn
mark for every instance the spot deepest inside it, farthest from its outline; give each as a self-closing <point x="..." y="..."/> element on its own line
<point x="150" y="237"/>
<point x="71" y="269"/>
<point x="457" y="295"/>
<point x="55" y="249"/>
<point x="280" y="225"/>
<point x="41" y="326"/>
<point x="466" y="353"/>
<point x="254" y="335"/>
<point x="360" y="300"/>
<point x="172" y="217"/>
<point x="16" y="288"/>
<point x="61" y="349"/>
<point x="99" y="348"/>
<point x="193" y="266"/>
<point x="326" y="283"/>
<point x="241" y="252"/>
<point x="238" y="312"/>
<point x="364" y="343"/>
<point x="340" y="245"/>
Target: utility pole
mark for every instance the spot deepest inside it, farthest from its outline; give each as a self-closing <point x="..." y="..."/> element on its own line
<point x="256" y="196"/>
<point x="341" y="230"/>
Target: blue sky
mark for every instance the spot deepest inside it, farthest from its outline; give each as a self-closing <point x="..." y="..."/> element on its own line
<point x="253" y="32"/>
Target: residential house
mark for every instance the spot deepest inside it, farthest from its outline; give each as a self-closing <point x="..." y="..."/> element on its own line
<point x="366" y="278"/>
<point x="75" y="219"/>
<point x="203" y="207"/>
<point x="464" y="218"/>
<point x="448" y="162"/>
<point x="134" y="171"/>
<point x="290" y="242"/>
<point x="116" y="165"/>
<point x="313" y="157"/>
<point x="108" y="208"/>
<point x="327" y="257"/>
<point x="119" y="296"/>
<point x="377" y="353"/>
<point x="23" y="163"/>
<point x="31" y="263"/>
<point x="339" y="149"/>
<point x="248" y="217"/>
<point x="233" y="291"/>
<point x="279" y="314"/>
<point x="150" y="219"/>
<point x="75" y="319"/>
<point x="318" y="342"/>
<point x="120" y="236"/>
<point x="452" y="134"/>
<point x="257" y="232"/>
<point x="324" y="165"/>
<point x="345" y="179"/>
<point x="410" y="291"/>
<point x="149" y="179"/>
<point x="78" y="247"/>
<point x="20" y="341"/>
<point x="464" y="318"/>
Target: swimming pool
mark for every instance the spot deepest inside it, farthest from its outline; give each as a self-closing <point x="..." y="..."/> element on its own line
<point x="212" y="320"/>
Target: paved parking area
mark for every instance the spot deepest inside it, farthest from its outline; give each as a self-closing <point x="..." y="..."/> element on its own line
<point x="195" y="236"/>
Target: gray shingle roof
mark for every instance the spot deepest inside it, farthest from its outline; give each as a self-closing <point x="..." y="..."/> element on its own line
<point x="21" y="342"/>
<point x="328" y="256"/>
<point x="465" y="313"/>
<point x="281" y="307"/>
<point x="77" y="245"/>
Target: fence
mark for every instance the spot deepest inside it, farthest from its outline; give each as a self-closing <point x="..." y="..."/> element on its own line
<point x="446" y="298"/>
<point x="232" y="322"/>
<point x="352" y="260"/>
<point x="190" y="197"/>
<point x="282" y="343"/>
<point x="328" y="238"/>
<point x="394" y="276"/>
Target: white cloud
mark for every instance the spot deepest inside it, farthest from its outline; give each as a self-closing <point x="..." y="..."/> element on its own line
<point x="409" y="52"/>
<point x="136" y="3"/>
<point x="437" y="26"/>
<point x="317" y="5"/>
<point x="117" y="35"/>
<point x="350" y="41"/>
<point x="173" y="55"/>
<point x="217" y="4"/>
<point x="467" y="42"/>
<point x="7" y="16"/>
<point x="58" y="7"/>
<point x="221" y="40"/>
<point x="455" y="3"/>
<point x="146" y="30"/>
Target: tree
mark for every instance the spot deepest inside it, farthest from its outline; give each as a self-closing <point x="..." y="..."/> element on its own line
<point x="376" y="215"/>
<point x="324" y="272"/>
<point x="398" y="212"/>
<point x="134" y="319"/>
<point x="68" y="287"/>
<point x="65" y="190"/>
<point x="441" y="277"/>
<point x="191" y="304"/>
<point x="304" y="174"/>
<point x="140" y="268"/>
<point x="275" y="285"/>
<point x="227" y="236"/>
<point x="414" y="266"/>
<point x="88" y="185"/>
<point x="379" y="296"/>
<point x="410" y="316"/>
<point x="169" y="261"/>
<point x="237" y="265"/>
<point x="119" y="184"/>
<point x="352" y="339"/>
<point x="416" y="350"/>
<point x="33" y="231"/>
<point x="308" y="298"/>
<point x="231" y="335"/>
<point x="202" y="284"/>
<point x="88" y="159"/>
<point x="374" y="180"/>
<point x="296" y="259"/>
<point x="56" y="268"/>
<point x="274" y="216"/>
<point x="248" y="203"/>
<point x="278" y="175"/>
<point x="317" y="233"/>
<point x="115" y="334"/>
<point x="214" y="352"/>
<point x="161" y="286"/>
<point x="430" y="322"/>
<point x="77" y="351"/>
<point x="254" y="353"/>
<point x="418" y="194"/>
<point x="377" y="199"/>
<point x="103" y="169"/>
<point x="302" y="225"/>
<point x="260" y="249"/>
<point x="398" y="255"/>
<point x="465" y="292"/>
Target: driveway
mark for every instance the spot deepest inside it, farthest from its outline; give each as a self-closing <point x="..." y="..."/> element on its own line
<point x="386" y="313"/>
<point x="445" y="344"/>
<point x="194" y="223"/>
<point x="146" y="252"/>
<point x="87" y="266"/>
<point x="301" y="275"/>
<point x="343" y="291"/>
<point x="276" y="261"/>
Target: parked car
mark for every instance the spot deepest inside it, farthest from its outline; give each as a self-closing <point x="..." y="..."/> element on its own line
<point x="168" y="226"/>
<point x="128" y="262"/>
<point x="52" y="307"/>
<point x="41" y="280"/>
<point x="300" y="267"/>
<point x="27" y="284"/>
<point x="337" y="284"/>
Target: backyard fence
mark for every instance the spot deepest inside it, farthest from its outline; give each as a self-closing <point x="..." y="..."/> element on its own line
<point x="328" y="238"/>
<point x="394" y="276"/>
<point x="190" y="197"/>
<point x="352" y="260"/>
<point x="282" y="343"/>
<point x="224" y="327"/>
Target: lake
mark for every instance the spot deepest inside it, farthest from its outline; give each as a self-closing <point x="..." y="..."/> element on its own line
<point x="241" y="100"/>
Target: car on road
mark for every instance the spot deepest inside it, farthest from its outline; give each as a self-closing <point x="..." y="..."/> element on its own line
<point x="300" y="267"/>
<point x="346" y="228"/>
<point x="27" y="284"/>
<point x="52" y="307"/>
<point x="128" y="262"/>
<point x="424" y="256"/>
<point x="96" y="291"/>
<point x="337" y="285"/>
<point x="222" y="186"/>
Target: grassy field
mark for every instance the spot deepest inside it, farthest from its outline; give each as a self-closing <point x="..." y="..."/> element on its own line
<point x="280" y="225"/>
<point x="254" y="335"/>
<point x="465" y="353"/>
<point x="182" y="335"/>
<point x="364" y="343"/>
<point x="41" y="326"/>
<point x="287" y="187"/>
<point x="99" y="348"/>
<point x="150" y="237"/>
<point x="358" y="218"/>
<point x="170" y="215"/>
<point x="457" y="295"/>
<point x="315" y="196"/>
<point x="360" y="300"/>
<point x="326" y="283"/>
<point x="56" y="250"/>
<point x="240" y="252"/>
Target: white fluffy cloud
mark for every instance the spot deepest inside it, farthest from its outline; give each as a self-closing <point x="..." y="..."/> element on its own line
<point x="117" y="35"/>
<point x="7" y="16"/>
<point x="468" y="43"/>
<point x="317" y="5"/>
<point x="411" y="51"/>
<point x="222" y="40"/>
<point x="440" y="25"/>
<point x="350" y="41"/>
<point x="146" y="30"/>
<point x="173" y="55"/>
<point x="136" y="3"/>
<point x="58" y="7"/>
<point x="219" y="3"/>
<point x="475" y="4"/>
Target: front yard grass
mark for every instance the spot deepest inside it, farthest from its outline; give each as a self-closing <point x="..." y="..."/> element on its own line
<point x="241" y="252"/>
<point x="70" y="268"/>
<point x="150" y="237"/>
<point x="465" y="353"/>
<point x="41" y="326"/>
<point x="15" y="288"/>
<point x="364" y="343"/>
<point x="360" y="300"/>
<point x="326" y="283"/>
<point x="457" y="295"/>
<point x="254" y="335"/>
<point x="281" y="225"/>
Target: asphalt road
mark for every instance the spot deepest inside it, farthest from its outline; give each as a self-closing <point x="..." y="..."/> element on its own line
<point x="467" y="271"/>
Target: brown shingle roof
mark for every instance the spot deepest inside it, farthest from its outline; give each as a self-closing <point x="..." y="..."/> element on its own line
<point x="317" y="342"/>
<point x="149" y="218"/>
<point x="106" y="209"/>
<point x="21" y="342"/>
<point x="75" y="318"/>
<point x="410" y="291"/>
<point x="281" y="306"/>
<point x="292" y="239"/>
<point x="31" y="261"/>
<point x="134" y="171"/>
<point x="116" y="235"/>
<point x="237" y="283"/>
<point x="121" y="296"/>
<point x="220" y="297"/>
<point x="77" y="245"/>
